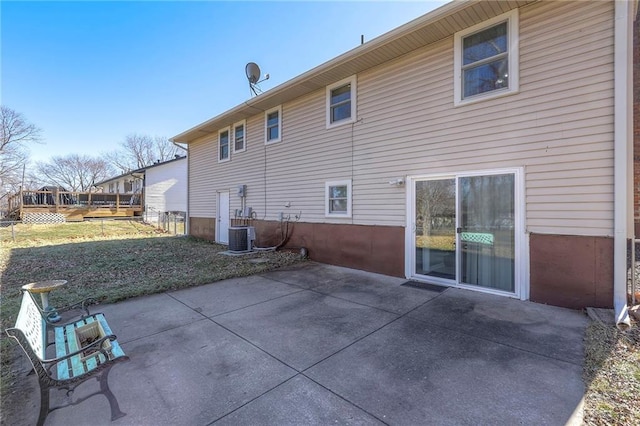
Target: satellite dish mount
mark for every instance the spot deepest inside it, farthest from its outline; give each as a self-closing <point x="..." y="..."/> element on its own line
<point x="253" y="76"/>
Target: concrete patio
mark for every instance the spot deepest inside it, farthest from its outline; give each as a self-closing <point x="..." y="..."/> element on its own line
<point x="317" y="344"/>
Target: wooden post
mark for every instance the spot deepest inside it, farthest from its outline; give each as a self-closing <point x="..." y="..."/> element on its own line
<point x="117" y="201"/>
<point x="21" y="204"/>
<point x="56" y="196"/>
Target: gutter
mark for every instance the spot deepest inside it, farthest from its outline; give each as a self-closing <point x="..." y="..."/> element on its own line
<point x="178" y="145"/>
<point x="623" y="156"/>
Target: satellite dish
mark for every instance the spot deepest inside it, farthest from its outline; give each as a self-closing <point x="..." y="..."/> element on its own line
<point x="253" y="72"/>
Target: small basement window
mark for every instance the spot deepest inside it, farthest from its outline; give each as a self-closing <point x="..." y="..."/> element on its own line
<point x="338" y="198"/>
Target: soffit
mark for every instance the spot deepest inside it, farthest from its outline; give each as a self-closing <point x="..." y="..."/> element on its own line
<point x="423" y="31"/>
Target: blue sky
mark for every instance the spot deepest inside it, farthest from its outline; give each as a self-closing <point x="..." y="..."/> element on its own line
<point x="89" y="73"/>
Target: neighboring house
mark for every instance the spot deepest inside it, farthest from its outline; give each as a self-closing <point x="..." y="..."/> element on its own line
<point x="477" y="146"/>
<point x="166" y="186"/>
<point x="127" y="183"/>
<point x="163" y="184"/>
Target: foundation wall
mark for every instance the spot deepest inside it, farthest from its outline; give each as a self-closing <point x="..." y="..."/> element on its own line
<point x="202" y="227"/>
<point x="571" y="271"/>
<point x="370" y="248"/>
<point x="565" y="270"/>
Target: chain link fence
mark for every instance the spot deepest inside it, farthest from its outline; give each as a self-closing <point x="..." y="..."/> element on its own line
<point x="16" y="230"/>
<point x="171" y="222"/>
<point x="20" y="231"/>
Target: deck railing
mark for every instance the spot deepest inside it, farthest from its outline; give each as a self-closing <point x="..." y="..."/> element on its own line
<point x="59" y="201"/>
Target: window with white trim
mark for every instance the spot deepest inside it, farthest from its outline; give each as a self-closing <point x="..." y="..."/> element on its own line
<point x="273" y="125"/>
<point x="239" y="138"/>
<point x="338" y="198"/>
<point x="223" y="145"/>
<point x="486" y="59"/>
<point x="341" y="102"/>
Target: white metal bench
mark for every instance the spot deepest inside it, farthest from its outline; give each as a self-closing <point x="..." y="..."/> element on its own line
<point x="85" y="348"/>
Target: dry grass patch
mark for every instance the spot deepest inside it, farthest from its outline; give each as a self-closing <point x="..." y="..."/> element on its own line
<point x="612" y="375"/>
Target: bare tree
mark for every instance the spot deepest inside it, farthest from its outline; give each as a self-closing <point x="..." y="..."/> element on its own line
<point x="74" y="172"/>
<point x="15" y="134"/>
<point x="138" y="151"/>
<point x="16" y="130"/>
<point x="435" y="206"/>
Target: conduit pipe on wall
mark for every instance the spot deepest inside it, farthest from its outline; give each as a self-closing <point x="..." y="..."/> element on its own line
<point x="623" y="155"/>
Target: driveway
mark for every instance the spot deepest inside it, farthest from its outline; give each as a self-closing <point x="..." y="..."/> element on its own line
<point x="318" y="344"/>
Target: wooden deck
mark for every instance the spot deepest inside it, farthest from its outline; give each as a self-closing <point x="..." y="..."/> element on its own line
<point x="76" y="206"/>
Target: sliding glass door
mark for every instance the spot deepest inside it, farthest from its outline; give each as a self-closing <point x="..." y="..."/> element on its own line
<point x="464" y="230"/>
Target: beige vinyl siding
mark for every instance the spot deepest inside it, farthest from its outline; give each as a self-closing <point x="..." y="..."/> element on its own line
<point x="559" y="128"/>
<point x="202" y="200"/>
<point x="308" y="156"/>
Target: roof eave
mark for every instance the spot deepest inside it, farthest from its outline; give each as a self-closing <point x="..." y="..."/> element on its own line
<point x="439" y="23"/>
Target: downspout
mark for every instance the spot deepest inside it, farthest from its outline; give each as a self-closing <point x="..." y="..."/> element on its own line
<point x="623" y="156"/>
<point x="186" y="219"/>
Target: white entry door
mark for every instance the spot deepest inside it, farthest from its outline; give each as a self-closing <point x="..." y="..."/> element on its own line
<point x="222" y="222"/>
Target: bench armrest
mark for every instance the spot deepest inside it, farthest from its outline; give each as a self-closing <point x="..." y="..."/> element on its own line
<point x="82" y="305"/>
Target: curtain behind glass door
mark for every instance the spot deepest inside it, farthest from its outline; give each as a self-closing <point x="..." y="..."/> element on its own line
<point x="487" y="231"/>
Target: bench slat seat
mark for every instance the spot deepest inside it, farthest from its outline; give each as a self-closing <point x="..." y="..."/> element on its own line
<point x="84" y="348"/>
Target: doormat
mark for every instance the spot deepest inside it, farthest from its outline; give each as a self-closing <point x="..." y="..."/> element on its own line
<point x="425" y="286"/>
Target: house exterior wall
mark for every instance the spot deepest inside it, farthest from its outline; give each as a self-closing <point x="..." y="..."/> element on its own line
<point x="166" y="187"/>
<point x="202" y="200"/>
<point x="558" y="129"/>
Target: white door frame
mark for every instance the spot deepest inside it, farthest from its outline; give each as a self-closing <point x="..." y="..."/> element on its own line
<point x="222" y="218"/>
<point x="521" y="243"/>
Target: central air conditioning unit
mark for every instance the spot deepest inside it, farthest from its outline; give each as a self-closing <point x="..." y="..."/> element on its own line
<point x="241" y="238"/>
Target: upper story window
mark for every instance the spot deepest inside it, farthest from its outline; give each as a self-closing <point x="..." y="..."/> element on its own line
<point x="341" y="102"/>
<point x="239" y="132"/>
<point x="223" y="145"/>
<point x="128" y="186"/>
<point x="486" y="59"/>
<point x="111" y="186"/>
<point x="338" y="198"/>
<point x="273" y="125"/>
